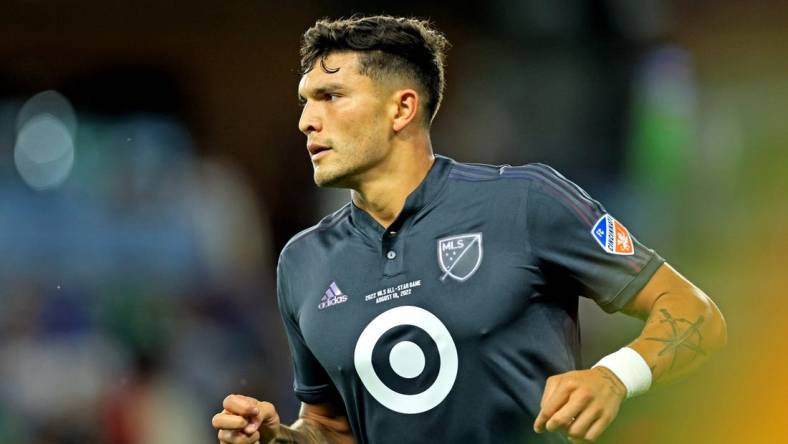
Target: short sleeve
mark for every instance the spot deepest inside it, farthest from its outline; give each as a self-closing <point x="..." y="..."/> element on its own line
<point x="579" y="245"/>
<point x="311" y="382"/>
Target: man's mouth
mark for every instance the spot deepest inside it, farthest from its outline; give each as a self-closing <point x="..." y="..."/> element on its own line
<point x="316" y="150"/>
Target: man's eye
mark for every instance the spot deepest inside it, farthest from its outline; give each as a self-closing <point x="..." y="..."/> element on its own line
<point x="332" y="97"/>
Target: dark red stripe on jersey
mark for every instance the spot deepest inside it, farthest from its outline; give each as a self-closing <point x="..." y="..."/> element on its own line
<point x="583" y="211"/>
<point x="558" y="178"/>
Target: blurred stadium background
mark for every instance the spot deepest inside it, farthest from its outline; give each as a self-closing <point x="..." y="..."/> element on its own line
<point x="151" y="170"/>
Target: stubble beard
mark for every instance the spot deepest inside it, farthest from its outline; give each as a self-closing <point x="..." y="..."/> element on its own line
<point x="344" y="172"/>
<point x="338" y="175"/>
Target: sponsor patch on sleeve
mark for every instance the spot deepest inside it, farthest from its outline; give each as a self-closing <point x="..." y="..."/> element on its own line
<point x="612" y="236"/>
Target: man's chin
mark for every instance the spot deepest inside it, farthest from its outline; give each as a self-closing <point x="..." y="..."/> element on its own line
<point x="340" y="176"/>
<point x="329" y="180"/>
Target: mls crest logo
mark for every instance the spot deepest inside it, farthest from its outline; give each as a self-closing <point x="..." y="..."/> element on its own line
<point x="612" y="236"/>
<point x="460" y="256"/>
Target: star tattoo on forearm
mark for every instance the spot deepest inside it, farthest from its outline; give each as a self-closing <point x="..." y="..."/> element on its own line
<point x="690" y="338"/>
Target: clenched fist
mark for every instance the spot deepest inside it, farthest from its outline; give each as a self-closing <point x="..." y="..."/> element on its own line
<point x="246" y="420"/>
<point x="581" y="403"/>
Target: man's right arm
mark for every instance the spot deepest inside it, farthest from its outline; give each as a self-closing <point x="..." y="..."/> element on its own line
<point x="246" y="420"/>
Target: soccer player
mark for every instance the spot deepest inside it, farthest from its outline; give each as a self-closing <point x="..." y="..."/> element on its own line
<point x="440" y="304"/>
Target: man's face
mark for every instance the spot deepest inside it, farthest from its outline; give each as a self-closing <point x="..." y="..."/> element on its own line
<point x="344" y="119"/>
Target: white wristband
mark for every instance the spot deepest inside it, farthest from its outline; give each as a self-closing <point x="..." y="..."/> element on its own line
<point x="630" y="368"/>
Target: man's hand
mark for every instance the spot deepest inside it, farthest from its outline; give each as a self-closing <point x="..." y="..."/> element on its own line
<point x="581" y="403"/>
<point x="246" y="420"/>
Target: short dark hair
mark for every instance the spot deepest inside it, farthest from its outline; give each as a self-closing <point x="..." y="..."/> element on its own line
<point x="388" y="45"/>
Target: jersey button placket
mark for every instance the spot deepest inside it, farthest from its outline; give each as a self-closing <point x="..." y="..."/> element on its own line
<point x="392" y="253"/>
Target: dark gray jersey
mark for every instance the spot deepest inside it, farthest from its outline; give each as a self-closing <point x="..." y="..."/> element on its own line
<point x="444" y="327"/>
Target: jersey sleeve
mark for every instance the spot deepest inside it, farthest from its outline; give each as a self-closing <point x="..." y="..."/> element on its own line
<point x="311" y="382"/>
<point x="580" y="246"/>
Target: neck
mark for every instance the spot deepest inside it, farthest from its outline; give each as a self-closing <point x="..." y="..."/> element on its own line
<point x="383" y="192"/>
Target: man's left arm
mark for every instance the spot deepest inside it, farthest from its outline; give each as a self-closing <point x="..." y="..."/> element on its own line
<point x="683" y="329"/>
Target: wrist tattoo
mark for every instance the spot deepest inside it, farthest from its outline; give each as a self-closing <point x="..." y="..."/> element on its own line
<point x="690" y="338"/>
<point x="615" y="383"/>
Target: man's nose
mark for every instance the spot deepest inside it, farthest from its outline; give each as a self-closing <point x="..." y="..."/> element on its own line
<point x="309" y="120"/>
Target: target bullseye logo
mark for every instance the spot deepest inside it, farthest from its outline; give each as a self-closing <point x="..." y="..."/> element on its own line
<point x="407" y="359"/>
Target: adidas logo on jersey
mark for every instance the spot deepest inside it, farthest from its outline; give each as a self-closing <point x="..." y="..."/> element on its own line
<point x="332" y="296"/>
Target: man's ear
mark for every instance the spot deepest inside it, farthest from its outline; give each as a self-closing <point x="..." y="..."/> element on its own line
<point x="407" y="108"/>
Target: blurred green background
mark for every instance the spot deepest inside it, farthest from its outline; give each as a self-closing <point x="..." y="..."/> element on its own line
<point x="151" y="170"/>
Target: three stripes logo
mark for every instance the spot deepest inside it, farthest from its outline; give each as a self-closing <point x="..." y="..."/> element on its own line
<point x="332" y="296"/>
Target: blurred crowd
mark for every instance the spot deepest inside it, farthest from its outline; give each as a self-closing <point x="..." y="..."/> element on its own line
<point x="136" y="295"/>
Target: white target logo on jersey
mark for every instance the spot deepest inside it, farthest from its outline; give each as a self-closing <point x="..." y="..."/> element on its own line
<point x="407" y="359"/>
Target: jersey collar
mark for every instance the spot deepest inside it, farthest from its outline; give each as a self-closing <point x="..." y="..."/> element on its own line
<point x="418" y="199"/>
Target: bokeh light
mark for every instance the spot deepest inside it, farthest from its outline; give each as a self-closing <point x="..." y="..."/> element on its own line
<point x="49" y="102"/>
<point x="44" y="151"/>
